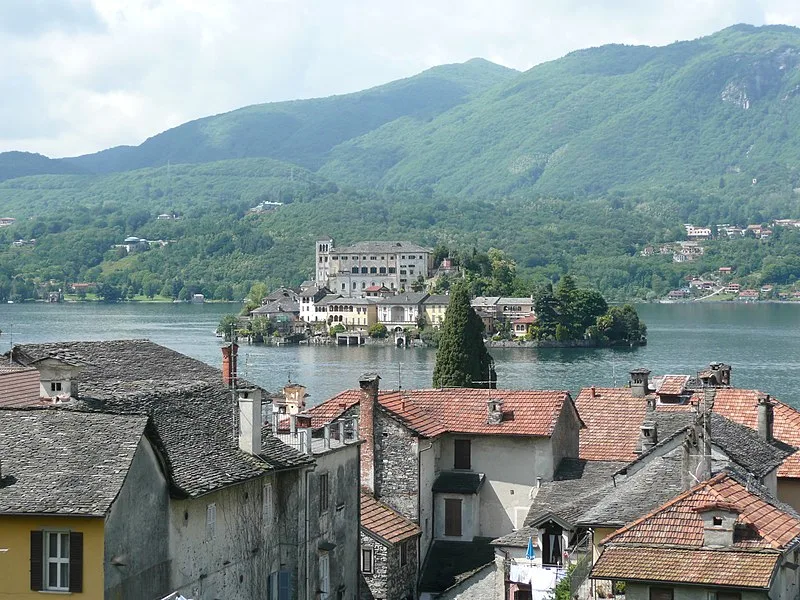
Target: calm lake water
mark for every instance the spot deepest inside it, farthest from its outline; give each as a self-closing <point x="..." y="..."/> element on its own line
<point x="760" y="341"/>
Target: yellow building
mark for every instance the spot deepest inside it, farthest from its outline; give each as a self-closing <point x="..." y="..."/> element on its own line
<point x="74" y="488"/>
<point x="353" y="313"/>
<point x="435" y="309"/>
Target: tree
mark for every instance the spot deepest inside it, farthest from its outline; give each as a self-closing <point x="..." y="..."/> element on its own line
<point x="377" y="330"/>
<point x="109" y="292"/>
<point x="227" y="324"/>
<point x="461" y="358"/>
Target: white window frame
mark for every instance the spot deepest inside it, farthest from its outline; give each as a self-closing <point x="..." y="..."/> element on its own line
<point x="368" y="566"/>
<point x="324" y="576"/>
<point x="61" y="562"/>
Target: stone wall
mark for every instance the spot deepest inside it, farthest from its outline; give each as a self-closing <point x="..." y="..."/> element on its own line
<point x="487" y="582"/>
<point x="396" y="466"/>
<point x="389" y="580"/>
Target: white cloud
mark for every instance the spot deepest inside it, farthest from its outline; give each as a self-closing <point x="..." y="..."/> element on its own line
<point x="82" y="75"/>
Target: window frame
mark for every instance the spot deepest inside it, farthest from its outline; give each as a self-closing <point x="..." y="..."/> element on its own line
<point x="459" y="445"/>
<point x="62" y="562"/>
<point x="324" y="493"/>
<point x="449" y="522"/>
<point x="661" y="590"/>
<point x="404" y="553"/>
<point x="368" y="566"/>
<point x="56" y="386"/>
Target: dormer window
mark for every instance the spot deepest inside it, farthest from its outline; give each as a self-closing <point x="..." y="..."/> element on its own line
<point x="717" y="521"/>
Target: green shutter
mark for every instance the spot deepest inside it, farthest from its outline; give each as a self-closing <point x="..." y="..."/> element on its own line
<point x="75" y="561"/>
<point x="37" y="557"/>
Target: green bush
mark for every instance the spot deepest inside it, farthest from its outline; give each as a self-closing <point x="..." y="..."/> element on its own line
<point x="338" y="328"/>
<point x="378" y="331"/>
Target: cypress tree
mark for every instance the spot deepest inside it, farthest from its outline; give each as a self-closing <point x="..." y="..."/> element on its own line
<point x="462" y="359"/>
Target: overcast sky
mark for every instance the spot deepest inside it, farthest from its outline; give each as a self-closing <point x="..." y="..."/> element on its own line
<point x="78" y="76"/>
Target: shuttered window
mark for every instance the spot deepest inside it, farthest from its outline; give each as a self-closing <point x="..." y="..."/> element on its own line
<point x="452" y="517"/>
<point x="323" y="492"/>
<point x="324" y="576"/>
<point x="461" y="453"/>
<point x="56" y="560"/>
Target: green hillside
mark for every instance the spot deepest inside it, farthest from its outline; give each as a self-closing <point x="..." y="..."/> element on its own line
<point x="727" y="105"/>
<point x="303" y="131"/>
<point x="22" y="164"/>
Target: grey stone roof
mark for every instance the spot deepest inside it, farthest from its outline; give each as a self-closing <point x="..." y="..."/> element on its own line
<point x="380" y="247"/>
<point x="65" y="462"/>
<point x="277" y="306"/>
<point x="410" y="298"/>
<point x="449" y="563"/>
<point x="518" y="538"/>
<point x="577" y="486"/>
<point x="437" y="299"/>
<point x="458" y="482"/>
<point x="191" y="410"/>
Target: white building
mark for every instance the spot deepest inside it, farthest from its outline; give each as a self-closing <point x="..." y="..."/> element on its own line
<point x="350" y="270"/>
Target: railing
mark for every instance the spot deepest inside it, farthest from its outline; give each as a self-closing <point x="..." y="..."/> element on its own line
<point x="579" y="583"/>
<point x="334" y="435"/>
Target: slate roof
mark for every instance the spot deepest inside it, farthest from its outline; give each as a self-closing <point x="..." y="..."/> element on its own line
<point x="64" y="462"/>
<point x="577" y="486"/>
<point x="437" y="299"/>
<point x="518" y="538"/>
<point x="449" y="563"/>
<point x="277" y="306"/>
<point x="378" y="247"/>
<point x="699" y="567"/>
<point x="19" y="387"/>
<point x="458" y="482"/>
<point x="383" y="522"/>
<point x="190" y="408"/>
<point x="432" y="412"/>
<point x="411" y="299"/>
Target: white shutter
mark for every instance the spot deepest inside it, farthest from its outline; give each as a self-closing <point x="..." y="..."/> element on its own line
<point x="324" y="576"/>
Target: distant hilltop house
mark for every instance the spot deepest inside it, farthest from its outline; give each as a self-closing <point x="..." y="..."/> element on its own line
<point x="167" y="217"/>
<point x="350" y="270"/>
<point x="265" y="207"/>
<point x="6" y="221"/>
<point x="697" y="233"/>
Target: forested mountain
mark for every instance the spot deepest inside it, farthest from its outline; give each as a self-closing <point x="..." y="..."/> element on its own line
<point x="22" y="164"/>
<point x="303" y="131"/>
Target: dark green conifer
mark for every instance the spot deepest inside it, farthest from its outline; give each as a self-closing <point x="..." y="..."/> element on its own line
<point x="462" y="359"/>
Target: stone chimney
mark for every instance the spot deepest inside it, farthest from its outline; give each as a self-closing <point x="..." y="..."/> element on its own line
<point x="649" y="435"/>
<point x="494" y="411"/>
<point x="229" y="354"/>
<point x="719" y="524"/>
<point x="250" y="420"/>
<point x="369" y="384"/>
<point x="640" y="382"/>
<point x="766" y="417"/>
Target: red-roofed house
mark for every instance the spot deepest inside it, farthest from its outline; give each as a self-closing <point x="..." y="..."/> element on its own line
<point x="19" y="387"/>
<point x="724" y="538"/>
<point x="461" y="463"/>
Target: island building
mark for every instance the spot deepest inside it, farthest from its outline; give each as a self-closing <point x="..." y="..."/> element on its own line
<point x="350" y="270"/>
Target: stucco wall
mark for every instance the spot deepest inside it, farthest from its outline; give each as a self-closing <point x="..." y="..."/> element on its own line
<point x="470" y="527"/>
<point x="511" y="465"/>
<point x="789" y="492"/>
<point x="15" y="565"/>
<point x="234" y="562"/>
<point x="429" y="451"/>
<point x="339" y="524"/>
<point x="137" y="532"/>
<point x="638" y="591"/>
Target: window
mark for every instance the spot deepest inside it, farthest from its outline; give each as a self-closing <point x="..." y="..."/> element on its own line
<point x="279" y="586"/>
<point x="269" y="515"/>
<point x="392" y="270"/>
<point x="403" y="257"/>
<point x="724" y="596"/>
<point x="55" y="386"/>
<point x="343" y="286"/>
<point x="334" y="257"/>
<point x="211" y="520"/>
<point x="373" y="270"/>
<point x="717" y="521"/>
<point x="382" y="270"/>
<point x="323" y="492"/>
<point x="366" y="560"/>
<point x="403" y="553"/>
<point x="452" y="517"/>
<point x="324" y="576"/>
<point x="56" y="561"/>
<point x="363" y="269"/>
<point x="657" y="593"/>
<point x="373" y="258"/>
<point x="354" y="270"/>
<point x="461" y="454"/>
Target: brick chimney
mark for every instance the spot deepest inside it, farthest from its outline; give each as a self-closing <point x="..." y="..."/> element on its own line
<point x="369" y="385"/>
<point x="229" y="354"/>
<point x="250" y="420"/>
<point x="766" y="417"/>
<point x="639" y="382"/>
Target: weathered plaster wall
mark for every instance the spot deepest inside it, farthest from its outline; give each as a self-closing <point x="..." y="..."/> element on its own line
<point x="339" y="524"/>
<point x="137" y="532"/>
<point x="234" y="561"/>
<point x="470" y="527"/>
<point x="789" y="492"/>
<point x="565" y="437"/>
<point x="429" y="453"/>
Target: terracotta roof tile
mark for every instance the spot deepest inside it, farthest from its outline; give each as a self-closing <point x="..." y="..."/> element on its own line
<point x="19" y="387"/>
<point x="672" y="385"/>
<point x="380" y="520"/>
<point x="613" y="417"/>
<point x="678" y="523"/>
<point x="431" y="412"/>
<point x="701" y="567"/>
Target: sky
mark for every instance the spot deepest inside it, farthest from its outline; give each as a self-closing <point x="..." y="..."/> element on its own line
<point x="78" y="76"/>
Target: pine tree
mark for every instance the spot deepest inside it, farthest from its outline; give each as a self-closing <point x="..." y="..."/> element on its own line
<point x="462" y="359"/>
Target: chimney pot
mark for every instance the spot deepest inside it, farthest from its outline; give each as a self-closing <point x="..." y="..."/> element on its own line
<point x="639" y="382"/>
<point x="649" y="435"/>
<point x="229" y="354"/>
<point x="495" y="411"/>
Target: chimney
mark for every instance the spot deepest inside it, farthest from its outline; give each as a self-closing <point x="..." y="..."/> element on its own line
<point x="719" y="524"/>
<point x="494" y="411"/>
<point x="766" y="416"/>
<point x="368" y="383"/>
<point x="250" y="420"/>
<point x="229" y="353"/>
<point x="639" y="382"/>
<point x="592" y="392"/>
<point x="649" y="435"/>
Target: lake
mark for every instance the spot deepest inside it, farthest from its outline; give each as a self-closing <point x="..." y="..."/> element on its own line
<point x="760" y="341"/>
